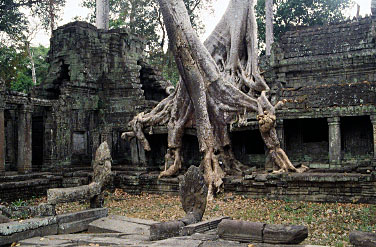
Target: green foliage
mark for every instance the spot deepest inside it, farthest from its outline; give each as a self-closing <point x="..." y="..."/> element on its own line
<point x="19" y="203"/>
<point x="15" y="67"/>
<point x="290" y="13"/>
<point x="41" y="65"/>
<point x="13" y="20"/>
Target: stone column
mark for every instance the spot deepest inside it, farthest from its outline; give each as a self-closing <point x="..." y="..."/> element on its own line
<point x="373" y="120"/>
<point x="24" y="139"/>
<point x="2" y="138"/>
<point x="138" y="154"/>
<point x="334" y="141"/>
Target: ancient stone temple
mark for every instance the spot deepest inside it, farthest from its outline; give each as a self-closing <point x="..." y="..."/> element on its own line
<point x="98" y="80"/>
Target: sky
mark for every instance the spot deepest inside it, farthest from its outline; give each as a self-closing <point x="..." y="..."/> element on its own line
<point x="74" y="9"/>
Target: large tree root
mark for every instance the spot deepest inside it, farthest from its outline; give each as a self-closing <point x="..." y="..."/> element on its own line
<point x="218" y="80"/>
<point x="267" y="124"/>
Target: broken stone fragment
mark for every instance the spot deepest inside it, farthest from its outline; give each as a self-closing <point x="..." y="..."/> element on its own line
<point x="363" y="239"/>
<point x="244" y="231"/>
<point x="62" y="195"/>
<point x="193" y="193"/>
<point x="165" y="230"/>
<point x="284" y="234"/>
<point x="102" y="165"/>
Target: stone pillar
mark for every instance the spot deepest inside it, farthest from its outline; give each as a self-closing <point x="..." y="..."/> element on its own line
<point x="334" y="141"/>
<point x="138" y="154"/>
<point x="24" y="139"/>
<point x="373" y="120"/>
<point x="2" y="138"/>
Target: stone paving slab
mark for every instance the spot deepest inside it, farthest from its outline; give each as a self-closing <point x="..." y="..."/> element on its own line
<point x="135" y="233"/>
<point x="121" y="224"/>
<point x="119" y="239"/>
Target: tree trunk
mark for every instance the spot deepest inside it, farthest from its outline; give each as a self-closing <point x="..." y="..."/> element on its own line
<point x="102" y="14"/>
<point x="219" y="79"/>
<point x="269" y="36"/>
<point x="52" y="15"/>
<point x="30" y="54"/>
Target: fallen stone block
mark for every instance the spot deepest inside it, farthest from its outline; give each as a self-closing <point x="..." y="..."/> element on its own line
<point x="16" y="231"/>
<point x="85" y="214"/>
<point x="202" y="226"/>
<point x="165" y="230"/>
<point x="284" y="234"/>
<point x="242" y="231"/>
<point x="363" y="239"/>
<point x="121" y="224"/>
<point x="62" y="195"/>
<point x="75" y="226"/>
<point x="21" y="226"/>
<point x="79" y="221"/>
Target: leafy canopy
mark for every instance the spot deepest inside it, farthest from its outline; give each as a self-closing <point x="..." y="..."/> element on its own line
<point x="13" y="18"/>
<point x="15" y="67"/>
<point x="290" y="13"/>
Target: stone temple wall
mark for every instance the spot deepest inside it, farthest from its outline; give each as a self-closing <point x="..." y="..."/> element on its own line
<point x="327" y="74"/>
<point x="95" y="80"/>
<point x="332" y="54"/>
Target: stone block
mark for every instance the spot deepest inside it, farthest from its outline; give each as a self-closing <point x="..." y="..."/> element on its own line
<point x="16" y="231"/>
<point x="121" y="224"/>
<point x="363" y="239"/>
<point x="75" y="226"/>
<point x="62" y="195"/>
<point x="86" y="214"/>
<point x="30" y="224"/>
<point x="242" y="231"/>
<point x="165" y="230"/>
<point x="202" y="226"/>
<point x="284" y="234"/>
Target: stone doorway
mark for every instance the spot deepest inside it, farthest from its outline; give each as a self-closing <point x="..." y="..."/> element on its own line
<point x="37" y="142"/>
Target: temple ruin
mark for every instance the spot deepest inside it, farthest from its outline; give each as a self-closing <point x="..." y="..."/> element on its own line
<point x="99" y="80"/>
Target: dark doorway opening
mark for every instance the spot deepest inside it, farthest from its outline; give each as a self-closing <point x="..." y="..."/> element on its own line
<point x="357" y="136"/>
<point x="307" y="140"/>
<point x="37" y="143"/>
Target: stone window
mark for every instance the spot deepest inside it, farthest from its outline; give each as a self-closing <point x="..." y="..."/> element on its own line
<point x="79" y="143"/>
